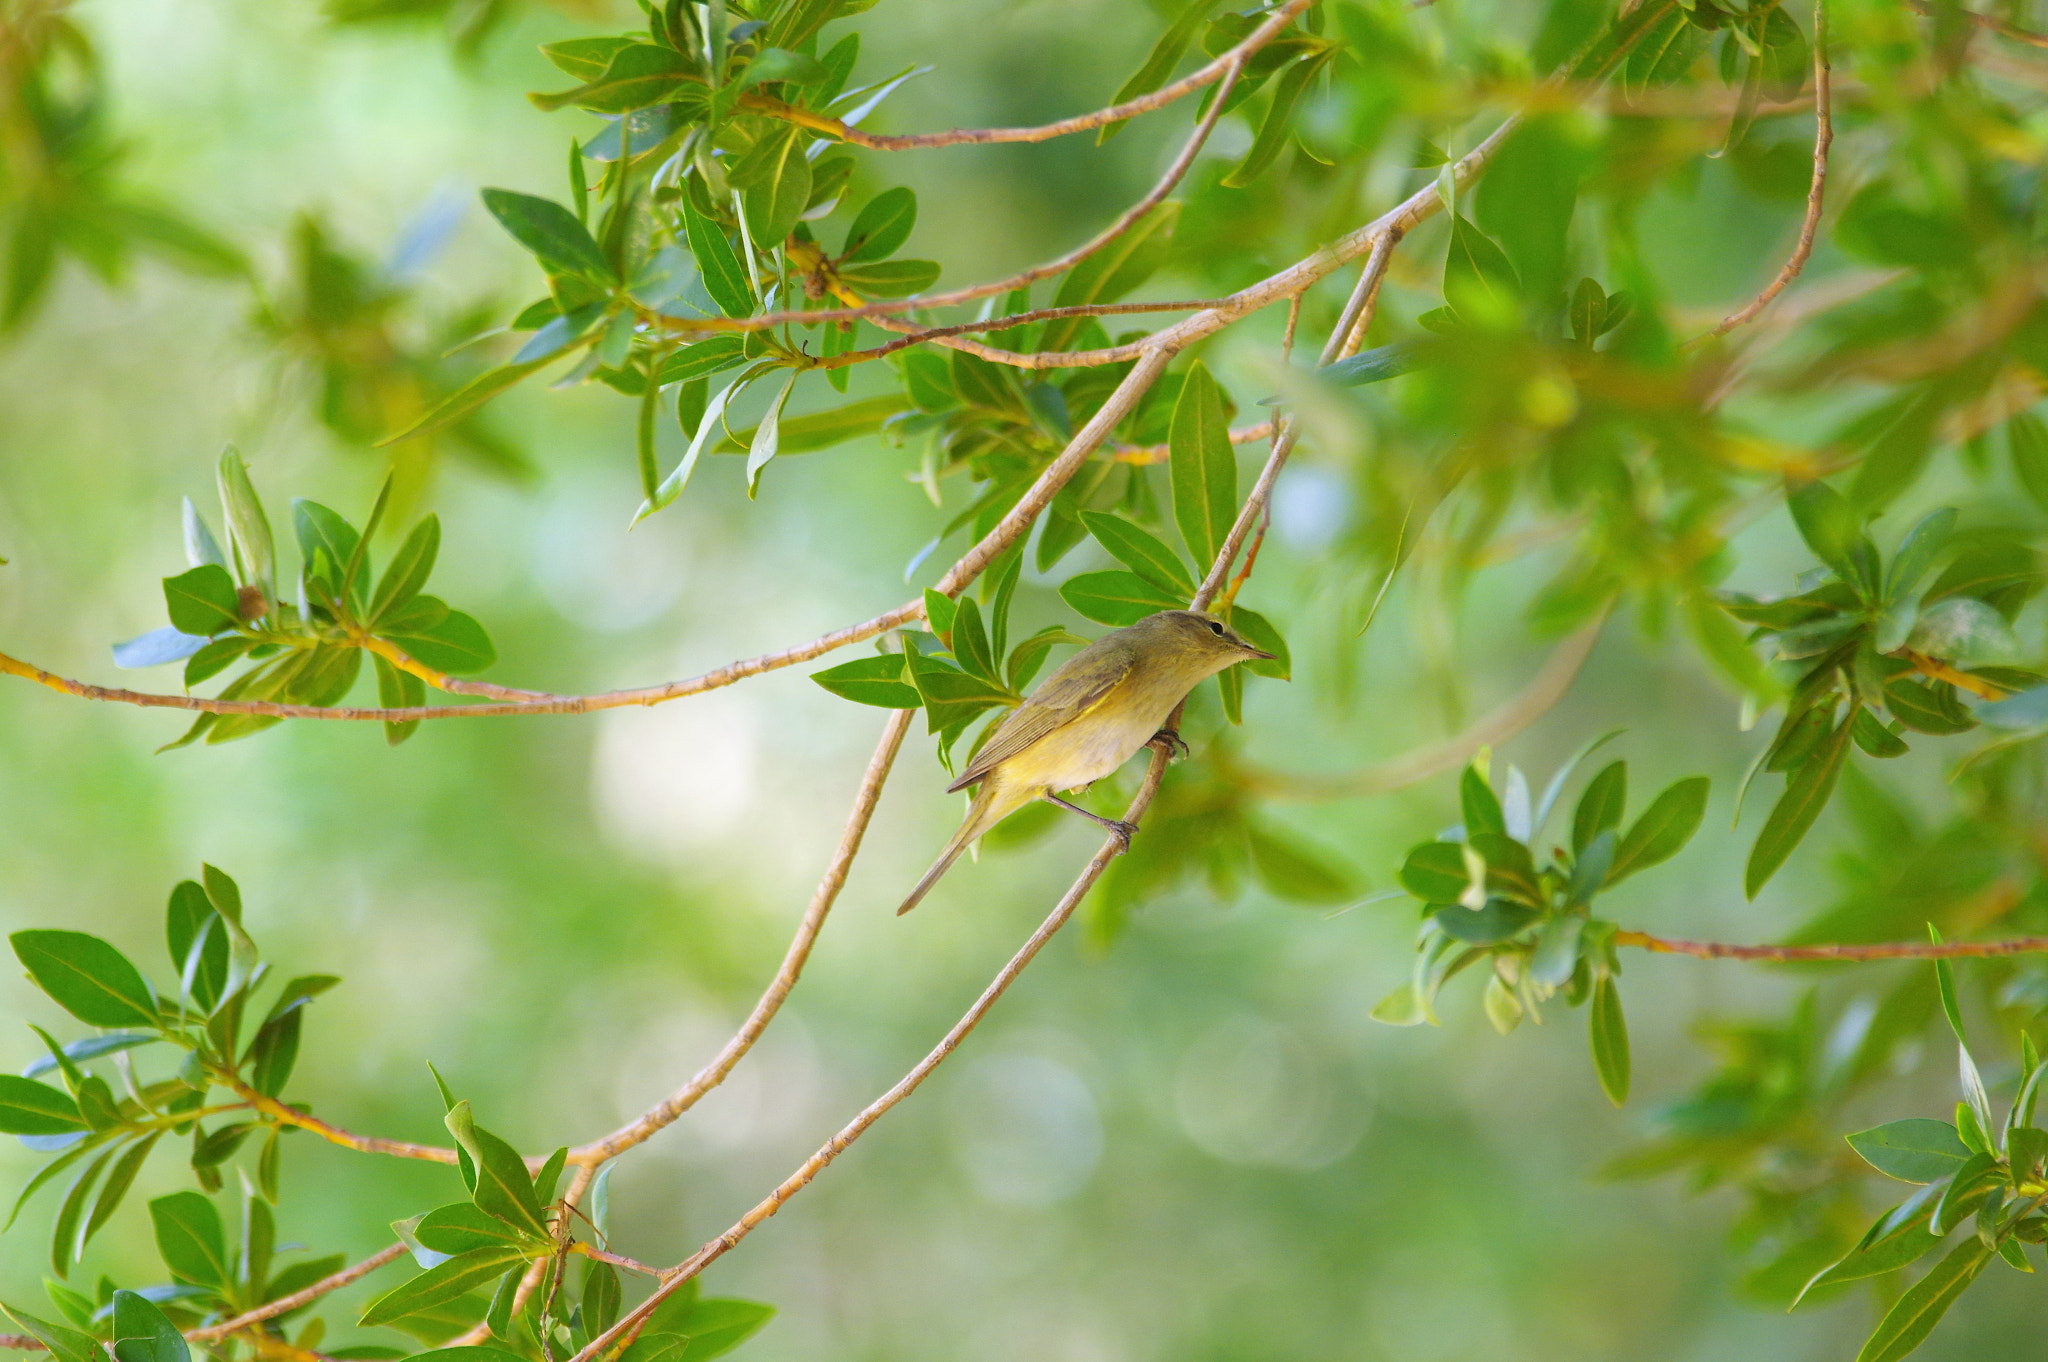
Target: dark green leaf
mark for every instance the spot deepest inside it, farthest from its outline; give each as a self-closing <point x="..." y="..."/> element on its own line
<point x="439" y="1285"/>
<point x="86" y="977"/>
<point x="1923" y="543"/>
<point x="871" y="681"/>
<point x="201" y="601"/>
<point x="1116" y="598"/>
<point x="190" y="1239"/>
<point x="1435" y="872"/>
<point x="890" y="278"/>
<point x="881" y="227"/>
<point x="1912" y="1150"/>
<point x="701" y="360"/>
<point x="503" y="1187"/>
<point x="65" y="1344"/>
<point x="458" y="644"/>
<point x="775" y="184"/>
<point x="1806" y="794"/>
<point x="1827" y="523"/>
<point x="326" y="542"/>
<point x="1609" y="1032"/>
<point x="1140" y="551"/>
<point x="551" y="232"/>
<point x="31" y="1108"/>
<point x="1663" y="829"/>
<point x="1601" y="805"/>
<point x="1479" y="804"/>
<point x="409" y="568"/>
<point x="1159" y="63"/>
<point x="1909" y="1321"/>
<point x="725" y="278"/>
<point x="143" y="1334"/>
<point x="1203" y="465"/>
<point x="1498" y="920"/>
<point x="461" y="1226"/>
<point x="1278" y="124"/>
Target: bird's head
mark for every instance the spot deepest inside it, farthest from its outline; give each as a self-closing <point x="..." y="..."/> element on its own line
<point x="1207" y="643"/>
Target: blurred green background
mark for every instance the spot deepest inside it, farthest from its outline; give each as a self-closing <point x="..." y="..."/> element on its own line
<point x="1188" y="1143"/>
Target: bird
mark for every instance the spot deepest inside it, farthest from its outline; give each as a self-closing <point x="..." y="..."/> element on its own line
<point x="1088" y="718"/>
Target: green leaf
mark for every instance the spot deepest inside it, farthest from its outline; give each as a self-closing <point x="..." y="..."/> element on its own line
<point x="248" y="527"/>
<point x="1912" y="1150"/>
<point x="31" y="1108"/>
<point x="1260" y="633"/>
<point x="871" y="681"/>
<point x="1806" y="794"/>
<point x="881" y="227"/>
<point x="65" y="1344"/>
<point x="638" y="74"/>
<point x="463" y="1273"/>
<point x="768" y="435"/>
<point x="775" y="184"/>
<point x="323" y="532"/>
<point x="1159" y="63"/>
<point x="1927" y="709"/>
<point x="1917" y="552"/>
<point x="1203" y="466"/>
<point x="1917" y="1311"/>
<point x="455" y="643"/>
<point x="1860" y="1263"/>
<point x="143" y="1334"/>
<point x="190" y="1239"/>
<point x="1601" y="805"/>
<point x="716" y="1327"/>
<point x="1663" y="829"/>
<point x="409" y="568"/>
<point x="1141" y="551"/>
<point x="1479" y="804"/>
<point x="86" y="977"/>
<point x="1479" y="283"/>
<point x="701" y="360"/>
<point x="1496" y="921"/>
<point x="584" y="58"/>
<point x="725" y="278"/>
<point x="1609" y="1031"/>
<point x="1827" y="523"/>
<point x="503" y="1188"/>
<point x="820" y="429"/>
<point x="1116" y="598"/>
<point x="468" y="398"/>
<point x="461" y="1226"/>
<point x="1278" y="124"/>
<point x="202" y="600"/>
<point x="551" y="232"/>
<point x="969" y="643"/>
<point x="398" y="690"/>
<point x="1435" y="872"/>
<point x="890" y="278"/>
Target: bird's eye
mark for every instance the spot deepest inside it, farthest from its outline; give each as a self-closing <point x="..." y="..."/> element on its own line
<point x="1215" y="628"/>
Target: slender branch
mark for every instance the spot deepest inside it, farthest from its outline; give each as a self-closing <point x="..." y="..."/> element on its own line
<point x="1881" y="950"/>
<point x="1989" y="23"/>
<point x="1497" y="726"/>
<point x="1823" y="138"/>
<point x="1123" y="223"/>
<point x="304" y="1296"/>
<point x="1044" y="132"/>
<point x="1160" y="453"/>
<point x="822" y="899"/>
<point x="1042" y="314"/>
<point x="675" y="1278"/>
<point x="333" y="1134"/>
<point x="616" y="1260"/>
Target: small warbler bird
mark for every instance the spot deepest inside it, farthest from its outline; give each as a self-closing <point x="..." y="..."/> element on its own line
<point x="1088" y="718"/>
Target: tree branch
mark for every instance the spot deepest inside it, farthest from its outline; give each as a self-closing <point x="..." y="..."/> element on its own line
<point x="1989" y="23"/>
<point x="1823" y="138"/>
<point x="333" y="1134"/>
<point x="1882" y="950"/>
<point x="822" y="899"/>
<point x="1043" y="132"/>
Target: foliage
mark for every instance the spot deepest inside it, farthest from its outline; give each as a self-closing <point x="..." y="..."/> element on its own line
<point x="726" y="257"/>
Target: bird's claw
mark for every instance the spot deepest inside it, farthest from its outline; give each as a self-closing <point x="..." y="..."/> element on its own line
<point x="1169" y="741"/>
<point x="1122" y="832"/>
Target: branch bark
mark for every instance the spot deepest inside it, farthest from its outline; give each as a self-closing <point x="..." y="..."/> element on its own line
<point x="1881" y="950"/>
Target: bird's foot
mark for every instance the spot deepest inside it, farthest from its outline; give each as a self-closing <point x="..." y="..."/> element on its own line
<point x="1122" y="832"/>
<point x="1168" y="741"/>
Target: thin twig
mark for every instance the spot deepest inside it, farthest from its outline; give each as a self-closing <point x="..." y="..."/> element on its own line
<point x="1881" y="950"/>
<point x="616" y="1260"/>
<point x="333" y="1134"/>
<point x="1160" y="453"/>
<point x="771" y="1000"/>
<point x="675" y="1278"/>
<point x="939" y="334"/>
<point x="1823" y="138"/>
<point x="1043" y="132"/>
<point x="305" y="1296"/>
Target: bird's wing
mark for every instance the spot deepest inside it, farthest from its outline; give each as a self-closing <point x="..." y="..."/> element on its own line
<point x="1062" y="699"/>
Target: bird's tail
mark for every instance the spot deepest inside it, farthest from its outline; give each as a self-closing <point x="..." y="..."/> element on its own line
<point x="982" y="814"/>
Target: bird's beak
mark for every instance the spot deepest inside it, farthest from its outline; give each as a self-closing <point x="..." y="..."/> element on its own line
<point x="1263" y="657"/>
